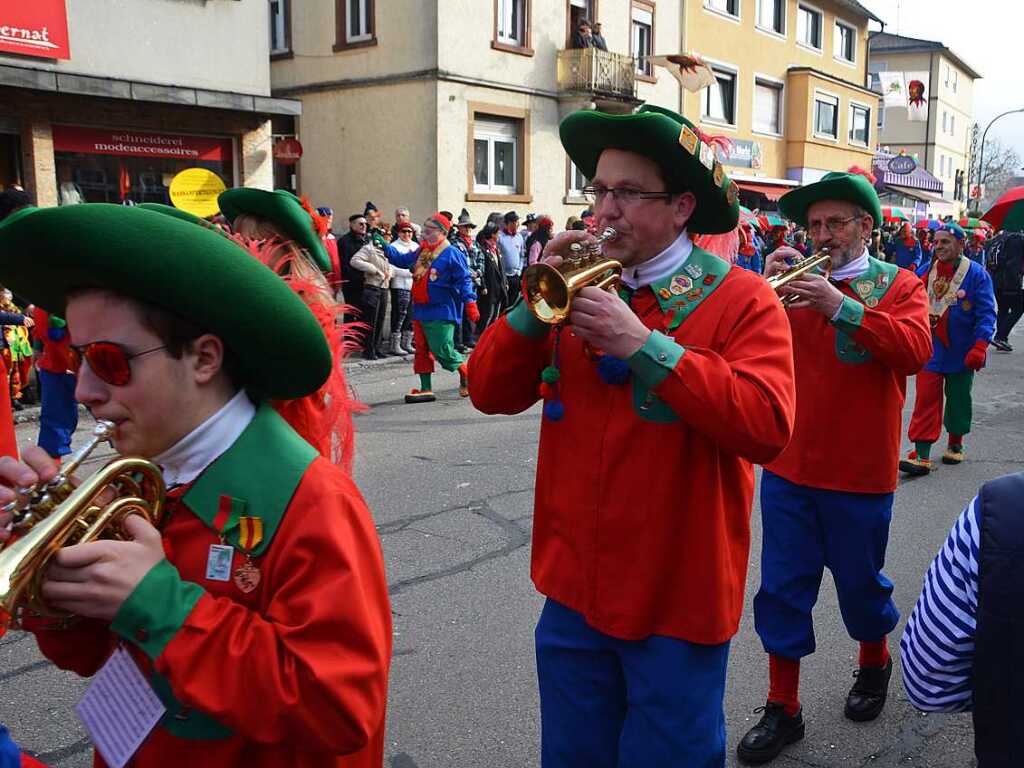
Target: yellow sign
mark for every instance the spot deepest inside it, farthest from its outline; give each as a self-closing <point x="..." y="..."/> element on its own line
<point x="195" y="191"/>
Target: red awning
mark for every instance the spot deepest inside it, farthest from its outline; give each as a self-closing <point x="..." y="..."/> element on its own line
<point x="771" y="191"/>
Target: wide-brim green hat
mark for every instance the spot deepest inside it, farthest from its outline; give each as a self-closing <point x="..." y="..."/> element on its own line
<point x="170" y="210"/>
<point x="281" y="208"/>
<point x="190" y="271"/>
<point x="850" y="187"/>
<point x="670" y="140"/>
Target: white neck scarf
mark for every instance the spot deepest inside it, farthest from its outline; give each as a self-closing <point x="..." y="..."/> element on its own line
<point x="665" y="264"/>
<point x="852" y="269"/>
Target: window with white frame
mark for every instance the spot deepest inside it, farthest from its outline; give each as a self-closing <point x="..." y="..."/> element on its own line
<point x="952" y="125"/>
<point x="577" y="181"/>
<point x="771" y="16"/>
<point x="945" y="121"/>
<point x="729" y="7"/>
<point x="826" y="115"/>
<point x="357" y="15"/>
<point x="808" y="26"/>
<point x="956" y="78"/>
<point x="642" y="39"/>
<point x="512" y="22"/>
<point x="278" y="26"/>
<point x="767" y="107"/>
<point x="496" y="150"/>
<point x="720" y="98"/>
<point x="844" y="42"/>
<point x="860" y="121"/>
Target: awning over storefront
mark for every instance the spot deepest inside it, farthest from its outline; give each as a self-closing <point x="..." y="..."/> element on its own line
<point x="917" y="194"/>
<point x="771" y="188"/>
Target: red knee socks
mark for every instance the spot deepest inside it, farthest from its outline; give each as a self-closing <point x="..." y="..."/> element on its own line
<point x="784" y="683"/>
<point x="955" y="440"/>
<point x="874" y="654"/>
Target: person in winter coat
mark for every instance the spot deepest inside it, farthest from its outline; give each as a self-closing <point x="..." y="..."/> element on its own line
<point x="401" y="291"/>
<point x="1006" y="263"/>
<point x="371" y="261"/>
<point x="535" y="243"/>
<point x="493" y="288"/>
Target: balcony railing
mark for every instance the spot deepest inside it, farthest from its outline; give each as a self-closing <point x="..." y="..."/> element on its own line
<point x="593" y="71"/>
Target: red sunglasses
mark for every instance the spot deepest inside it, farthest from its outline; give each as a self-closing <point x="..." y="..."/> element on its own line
<point x="109" y="361"/>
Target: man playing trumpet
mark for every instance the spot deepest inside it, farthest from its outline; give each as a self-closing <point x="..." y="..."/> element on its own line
<point x="257" y="609"/>
<point x="827" y="500"/>
<point x="658" y="398"/>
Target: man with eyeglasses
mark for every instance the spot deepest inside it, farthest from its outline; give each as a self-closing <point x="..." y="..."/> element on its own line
<point x="858" y="333"/>
<point x="348" y="246"/>
<point x="658" y="398"/>
<point x="962" y="311"/>
<point x="257" y="607"/>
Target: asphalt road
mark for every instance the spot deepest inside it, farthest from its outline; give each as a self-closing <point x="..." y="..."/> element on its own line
<point x="451" y="491"/>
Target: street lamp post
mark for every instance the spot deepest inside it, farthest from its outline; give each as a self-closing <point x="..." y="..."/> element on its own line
<point x="981" y="154"/>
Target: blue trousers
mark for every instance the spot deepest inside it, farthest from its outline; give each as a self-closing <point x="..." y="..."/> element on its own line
<point x="609" y="703"/>
<point x="58" y="412"/>
<point x="806" y="530"/>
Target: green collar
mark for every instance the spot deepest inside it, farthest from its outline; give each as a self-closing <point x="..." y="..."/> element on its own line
<point x="695" y="280"/>
<point x="870" y="286"/>
<point x="258" y="475"/>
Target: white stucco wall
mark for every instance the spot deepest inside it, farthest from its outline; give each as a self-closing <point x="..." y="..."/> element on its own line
<point x="220" y="45"/>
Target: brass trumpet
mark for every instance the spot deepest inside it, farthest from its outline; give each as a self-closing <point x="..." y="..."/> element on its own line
<point x="820" y="259"/>
<point x="549" y="291"/>
<point x="57" y="514"/>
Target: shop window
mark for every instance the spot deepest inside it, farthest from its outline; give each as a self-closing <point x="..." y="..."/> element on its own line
<point x="860" y="120"/>
<point x="728" y="7"/>
<point x="497" y="155"/>
<point x="771" y="16"/>
<point x="808" y="26"/>
<point x="280" y="27"/>
<point x="356" y="24"/>
<point x="642" y="38"/>
<point x="512" y="26"/>
<point x="844" y="42"/>
<point x="826" y="116"/>
<point x="767" y="107"/>
<point x="10" y="160"/>
<point x="720" y="98"/>
<point x="116" y="166"/>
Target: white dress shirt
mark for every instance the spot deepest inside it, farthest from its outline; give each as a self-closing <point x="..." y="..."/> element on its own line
<point x="665" y="264"/>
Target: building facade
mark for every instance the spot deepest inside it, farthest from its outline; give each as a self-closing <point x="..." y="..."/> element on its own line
<point x="107" y="100"/>
<point x="445" y="104"/>
<point x="941" y="143"/>
<point x="789" y="92"/>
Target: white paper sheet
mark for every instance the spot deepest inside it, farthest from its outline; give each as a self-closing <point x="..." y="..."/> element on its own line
<point x="119" y="709"/>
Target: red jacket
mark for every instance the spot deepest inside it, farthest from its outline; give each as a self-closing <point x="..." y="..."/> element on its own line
<point x="296" y="670"/>
<point x="643" y="525"/>
<point x="849" y="408"/>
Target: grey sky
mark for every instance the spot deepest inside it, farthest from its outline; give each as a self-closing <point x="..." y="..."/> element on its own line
<point x="984" y="33"/>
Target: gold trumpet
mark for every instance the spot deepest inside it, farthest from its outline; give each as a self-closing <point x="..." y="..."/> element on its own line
<point x="549" y="291"/>
<point x="48" y="516"/>
<point x="821" y="259"/>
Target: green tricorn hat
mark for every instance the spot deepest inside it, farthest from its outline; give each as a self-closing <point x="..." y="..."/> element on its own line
<point x="190" y="271"/>
<point x="281" y="208"/>
<point x="850" y="187"/>
<point x="170" y="210"/>
<point x="670" y="140"/>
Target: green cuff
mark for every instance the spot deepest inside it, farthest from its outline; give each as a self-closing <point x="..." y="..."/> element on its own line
<point x="155" y="611"/>
<point x="656" y="358"/>
<point x="521" y="320"/>
<point x="851" y="315"/>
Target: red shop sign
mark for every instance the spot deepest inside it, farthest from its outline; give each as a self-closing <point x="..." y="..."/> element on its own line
<point x="288" y="151"/>
<point x="35" y="28"/>
<point x="128" y="143"/>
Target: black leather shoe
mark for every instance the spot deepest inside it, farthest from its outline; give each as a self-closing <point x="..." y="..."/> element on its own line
<point x="867" y="696"/>
<point x="770" y="736"/>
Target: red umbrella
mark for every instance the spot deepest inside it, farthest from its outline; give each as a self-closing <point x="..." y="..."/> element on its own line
<point x="928" y="224"/>
<point x="1008" y="210"/>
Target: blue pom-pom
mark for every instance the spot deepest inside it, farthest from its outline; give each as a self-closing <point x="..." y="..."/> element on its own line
<point x="612" y="370"/>
<point x="554" y="410"/>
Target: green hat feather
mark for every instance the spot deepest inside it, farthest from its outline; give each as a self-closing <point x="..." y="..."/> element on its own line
<point x="191" y="271"/>
<point x="674" y="143"/>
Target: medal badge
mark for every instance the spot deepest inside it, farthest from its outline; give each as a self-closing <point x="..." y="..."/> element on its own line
<point x="864" y="288"/>
<point x="695" y="294"/>
<point x="694" y="271"/>
<point x="719" y="174"/>
<point x="883" y="280"/>
<point x="665" y="293"/>
<point x="731" y="193"/>
<point x="250" y="534"/>
<point x="940" y="287"/>
<point x="966" y="305"/>
<point x="709" y="279"/>
<point x="871" y="301"/>
<point x="681" y="284"/>
<point x="707" y="156"/>
<point x="688" y="140"/>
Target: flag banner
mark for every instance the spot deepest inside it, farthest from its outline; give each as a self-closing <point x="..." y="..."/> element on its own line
<point x="689" y="69"/>
<point x="894" y="91"/>
<point x="917" y="96"/>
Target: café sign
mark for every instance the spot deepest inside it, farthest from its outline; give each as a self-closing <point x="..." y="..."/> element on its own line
<point x="902" y="165"/>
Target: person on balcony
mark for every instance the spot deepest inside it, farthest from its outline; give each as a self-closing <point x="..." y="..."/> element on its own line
<point x="583" y="37"/>
<point x="598" y="38"/>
